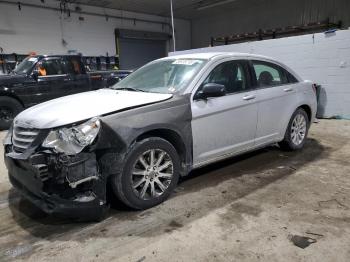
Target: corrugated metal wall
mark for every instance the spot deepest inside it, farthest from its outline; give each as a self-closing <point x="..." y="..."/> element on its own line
<point x="249" y="16"/>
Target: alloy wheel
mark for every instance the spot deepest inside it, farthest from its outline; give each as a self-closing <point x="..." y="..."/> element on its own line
<point x="298" y="129"/>
<point x="152" y="174"/>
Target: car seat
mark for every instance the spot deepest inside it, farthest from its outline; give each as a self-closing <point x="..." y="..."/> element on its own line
<point x="229" y="72"/>
<point x="265" y="79"/>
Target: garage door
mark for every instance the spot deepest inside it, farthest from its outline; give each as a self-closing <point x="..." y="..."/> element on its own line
<point x="137" y="48"/>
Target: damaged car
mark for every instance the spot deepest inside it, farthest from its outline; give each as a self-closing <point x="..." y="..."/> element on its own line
<point x="138" y="137"/>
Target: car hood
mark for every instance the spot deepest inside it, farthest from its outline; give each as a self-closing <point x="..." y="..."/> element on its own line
<point x="74" y="108"/>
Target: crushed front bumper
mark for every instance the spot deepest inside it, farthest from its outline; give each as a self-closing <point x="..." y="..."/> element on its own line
<point x="58" y="184"/>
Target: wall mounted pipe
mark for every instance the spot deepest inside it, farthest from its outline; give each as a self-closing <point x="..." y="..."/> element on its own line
<point x="88" y="13"/>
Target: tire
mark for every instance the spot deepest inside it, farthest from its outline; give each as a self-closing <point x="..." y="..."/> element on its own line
<point x="297" y="130"/>
<point x="9" y="108"/>
<point x="138" y="173"/>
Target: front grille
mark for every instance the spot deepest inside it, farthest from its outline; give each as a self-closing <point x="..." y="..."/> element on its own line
<point x="23" y="137"/>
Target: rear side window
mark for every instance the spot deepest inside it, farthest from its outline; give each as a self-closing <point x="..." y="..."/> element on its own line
<point x="291" y="78"/>
<point x="74" y="66"/>
<point x="268" y="74"/>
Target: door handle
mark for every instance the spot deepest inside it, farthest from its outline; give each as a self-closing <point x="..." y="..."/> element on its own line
<point x="288" y="89"/>
<point x="248" y="97"/>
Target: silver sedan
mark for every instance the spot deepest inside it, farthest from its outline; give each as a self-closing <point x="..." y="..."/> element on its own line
<point x="167" y="118"/>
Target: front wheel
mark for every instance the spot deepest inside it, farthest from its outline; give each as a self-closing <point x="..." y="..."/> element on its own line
<point x="297" y="131"/>
<point x="150" y="174"/>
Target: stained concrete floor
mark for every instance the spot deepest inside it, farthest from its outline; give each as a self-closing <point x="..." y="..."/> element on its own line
<point x="243" y="209"/>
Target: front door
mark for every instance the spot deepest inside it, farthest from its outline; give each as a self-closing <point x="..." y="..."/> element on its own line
<point x="225" y="125"/>
<point x="53" y="81"/>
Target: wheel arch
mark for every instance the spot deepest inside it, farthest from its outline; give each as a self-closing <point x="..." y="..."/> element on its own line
<point x="174" y="138"/>
<point x="11" y="95"/>
<point x="307" y="109"/>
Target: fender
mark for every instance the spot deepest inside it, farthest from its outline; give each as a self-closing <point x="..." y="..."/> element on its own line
<point x="286" y="121"/>
<point x="304" y="95"/>
<point x="164" y="119"/>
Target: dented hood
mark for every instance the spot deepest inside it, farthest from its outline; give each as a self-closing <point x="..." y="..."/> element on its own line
<point x="74" y="108"/>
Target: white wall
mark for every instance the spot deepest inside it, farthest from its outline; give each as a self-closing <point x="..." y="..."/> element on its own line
<point x="41" y="30"/>
<point x="324" y="59"/>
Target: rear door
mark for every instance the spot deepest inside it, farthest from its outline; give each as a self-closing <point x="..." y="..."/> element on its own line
<point x="224" y="125"/>
<point x="276" y="95"/>
<point x="80" y="80"/>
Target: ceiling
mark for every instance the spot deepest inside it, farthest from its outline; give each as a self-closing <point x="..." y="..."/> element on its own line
<point x="187" y="9"/>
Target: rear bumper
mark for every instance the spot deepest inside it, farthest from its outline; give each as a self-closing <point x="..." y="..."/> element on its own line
<point x="87" y="204"/>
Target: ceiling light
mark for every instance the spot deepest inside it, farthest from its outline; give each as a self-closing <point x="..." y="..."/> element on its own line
<point x="215" y="4"/>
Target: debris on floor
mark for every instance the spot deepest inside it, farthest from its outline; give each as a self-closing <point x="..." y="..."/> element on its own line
<point x="315" y="234"/>
<point x="332" y="203"/>
<point x="18" y="251"/>
<point x="141" y="259"/>
<point x="302" y="241"/>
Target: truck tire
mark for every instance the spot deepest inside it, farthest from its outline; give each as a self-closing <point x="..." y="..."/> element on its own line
<point x="149" y="175"/>
<point x="296" y="132"/>
<point x="9" y="108"/>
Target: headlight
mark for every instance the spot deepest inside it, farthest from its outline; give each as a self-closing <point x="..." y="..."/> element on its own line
<point x="73" y="140"/>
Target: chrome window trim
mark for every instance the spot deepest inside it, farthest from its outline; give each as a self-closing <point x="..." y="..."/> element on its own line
<point x="268" y="87"/>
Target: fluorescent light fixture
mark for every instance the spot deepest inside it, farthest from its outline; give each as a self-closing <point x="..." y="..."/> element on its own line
<point x="215" y="4"/>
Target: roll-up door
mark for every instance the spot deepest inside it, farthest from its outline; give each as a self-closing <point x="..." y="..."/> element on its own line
<point x="137" y="48"/>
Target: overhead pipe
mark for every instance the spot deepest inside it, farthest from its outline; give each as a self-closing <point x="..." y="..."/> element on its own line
<point x="86" y="13"/>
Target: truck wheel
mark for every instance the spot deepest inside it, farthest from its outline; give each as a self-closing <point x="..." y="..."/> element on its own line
<point x="149" y="175"/>
<point x="297" y="130"/>
<point x="9" y="108"/>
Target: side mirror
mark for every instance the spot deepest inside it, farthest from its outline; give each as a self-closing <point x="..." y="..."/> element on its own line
<point x="211" y="90"/>
<point x="35" y="74"/>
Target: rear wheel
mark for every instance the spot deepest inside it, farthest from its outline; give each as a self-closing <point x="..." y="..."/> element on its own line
<point x="150" y="174"/>
<point x="297" y="131"/>
<point x="9" y="108"/>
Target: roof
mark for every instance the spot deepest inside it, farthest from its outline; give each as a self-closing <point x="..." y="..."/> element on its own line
<point x="223" y="55"/>
<point x="64" y="55"/>
<point x="212" y="55"/>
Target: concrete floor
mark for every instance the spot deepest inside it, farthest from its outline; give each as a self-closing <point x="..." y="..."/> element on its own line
<point x="243" y="209"/>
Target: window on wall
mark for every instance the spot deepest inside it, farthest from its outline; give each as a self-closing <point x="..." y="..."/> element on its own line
<point x="231" y="75"/>
<point x="268" y="74"/>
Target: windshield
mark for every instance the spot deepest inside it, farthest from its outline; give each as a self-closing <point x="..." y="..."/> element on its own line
<point x="162" y="76"/>
<point x="25" y="66"/>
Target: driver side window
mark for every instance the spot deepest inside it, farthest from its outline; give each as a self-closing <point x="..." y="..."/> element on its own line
<point x="50" y="67"/>
<point x="230" y="74"/>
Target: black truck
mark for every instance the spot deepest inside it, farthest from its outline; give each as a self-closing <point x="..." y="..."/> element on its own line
<point x="41" y="78"/>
